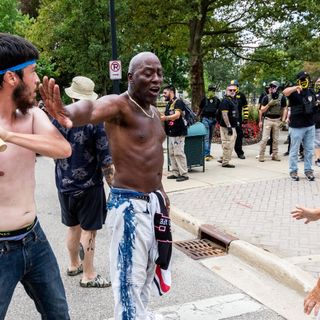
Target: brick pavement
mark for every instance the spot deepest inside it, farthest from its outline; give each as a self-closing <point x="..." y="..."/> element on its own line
<point x="256" y="208"/>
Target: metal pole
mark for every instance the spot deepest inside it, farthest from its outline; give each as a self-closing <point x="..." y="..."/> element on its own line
<point x="116" y="86"/>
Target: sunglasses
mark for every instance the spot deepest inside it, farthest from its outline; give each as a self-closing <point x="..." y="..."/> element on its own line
<point x="232" y="90"/>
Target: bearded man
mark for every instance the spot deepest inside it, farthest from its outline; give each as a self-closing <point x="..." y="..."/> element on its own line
<point x="25" y="253"/>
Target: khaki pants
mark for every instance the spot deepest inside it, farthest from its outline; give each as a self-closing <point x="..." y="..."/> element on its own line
<point x="177" y="156"/>
<point x="268" y="125"/>
<point x="227" y="143"/>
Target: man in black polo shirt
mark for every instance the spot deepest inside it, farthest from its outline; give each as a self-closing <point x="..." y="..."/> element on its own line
<point x="228" y="123"/>
<point x="302" y="103"/>
<point x="176" y="130"/>
<point x="243" y="112"/>
<point x="207" y="112"/>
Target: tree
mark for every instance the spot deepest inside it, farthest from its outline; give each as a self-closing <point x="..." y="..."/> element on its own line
<point x="11" y="17"/>
<point x="76" y="36"/>
<point x="203" y="26"/>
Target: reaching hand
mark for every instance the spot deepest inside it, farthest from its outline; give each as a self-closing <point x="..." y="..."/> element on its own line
<point x="50" y="93"/>
<point x="305" y="213"/>
<point x="230" y="132"/>
<point x="312" y="300"/>
<point x="299" y="89"/>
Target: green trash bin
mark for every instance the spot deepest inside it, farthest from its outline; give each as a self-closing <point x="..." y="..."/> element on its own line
<point x="194" y="146"/>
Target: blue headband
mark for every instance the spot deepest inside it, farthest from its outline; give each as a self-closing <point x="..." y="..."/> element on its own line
<point x="18" y="67"/>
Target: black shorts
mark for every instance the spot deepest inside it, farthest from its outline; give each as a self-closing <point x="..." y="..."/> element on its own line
<point x="87" y="208"/>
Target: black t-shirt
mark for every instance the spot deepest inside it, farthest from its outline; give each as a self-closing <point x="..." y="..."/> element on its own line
<point x="230" y="106"/>
<point x="262" y="95"/>
<point x="209" y="107"/>
<point x="317" y="111"/>
<point x="283" y="104"/>
<point x="177" y="127"/>
<point x="303" y="119"/>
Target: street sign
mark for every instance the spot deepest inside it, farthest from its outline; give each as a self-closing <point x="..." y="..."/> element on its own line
<point x="115" y="69"/>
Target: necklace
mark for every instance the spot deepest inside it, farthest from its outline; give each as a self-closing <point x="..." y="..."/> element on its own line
<point x="138" y="105"/>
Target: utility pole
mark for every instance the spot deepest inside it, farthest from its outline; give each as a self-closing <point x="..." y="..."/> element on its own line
<point x="116" y="86"/>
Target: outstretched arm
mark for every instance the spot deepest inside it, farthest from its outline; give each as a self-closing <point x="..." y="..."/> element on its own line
<point x="309" y="214"/>
<point x="79" y="113"/>
<point x="312" y="300"/>
<point x="50" y="93"/>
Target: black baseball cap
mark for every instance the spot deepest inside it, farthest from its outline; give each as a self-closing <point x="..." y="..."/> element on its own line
<point x="302" y="75"/>
<point x="212" y="87"/>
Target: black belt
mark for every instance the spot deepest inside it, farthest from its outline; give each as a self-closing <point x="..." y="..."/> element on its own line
<point x="13" y="233"/>
<point x="144" y="197"/>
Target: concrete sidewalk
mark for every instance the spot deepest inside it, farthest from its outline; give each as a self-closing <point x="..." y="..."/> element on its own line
<point x="253" y="202"/>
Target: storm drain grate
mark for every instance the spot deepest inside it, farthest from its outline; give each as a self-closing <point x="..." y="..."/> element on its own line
<point x="199" y="248"/>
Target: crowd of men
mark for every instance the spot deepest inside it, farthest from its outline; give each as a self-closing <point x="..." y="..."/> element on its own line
<point x="79" y="136"/>
<point x="296" y="107"/>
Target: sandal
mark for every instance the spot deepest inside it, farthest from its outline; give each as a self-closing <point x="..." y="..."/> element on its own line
<point x="75" y="272"/>
<point x="97" y="282"/>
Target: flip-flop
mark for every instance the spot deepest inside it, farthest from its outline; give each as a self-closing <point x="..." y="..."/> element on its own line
<point x="75" y="272"/>
<point x="97" y="282"/>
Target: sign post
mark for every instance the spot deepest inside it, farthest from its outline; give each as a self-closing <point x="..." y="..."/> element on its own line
<point x="115" y="70"/>
<point x="116" y="87"/>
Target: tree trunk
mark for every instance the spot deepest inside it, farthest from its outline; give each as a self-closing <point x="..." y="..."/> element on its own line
<point x="196" y="62"/>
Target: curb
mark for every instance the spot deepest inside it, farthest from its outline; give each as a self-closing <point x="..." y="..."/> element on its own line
<point x="278" y="268"/>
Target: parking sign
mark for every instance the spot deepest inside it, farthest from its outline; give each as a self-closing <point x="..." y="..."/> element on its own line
<point x="115" y="69"/>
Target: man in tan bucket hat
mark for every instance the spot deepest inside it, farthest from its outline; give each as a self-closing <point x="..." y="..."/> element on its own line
<point x="79" y="180"/>
<point x="82" y="88"/>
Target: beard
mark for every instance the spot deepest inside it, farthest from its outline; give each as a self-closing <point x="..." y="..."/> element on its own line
<point x="22" y="97"/>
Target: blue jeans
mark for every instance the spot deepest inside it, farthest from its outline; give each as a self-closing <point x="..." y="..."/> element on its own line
<point x="306" y="136"/>
<point x="209" y="123"/>
<point x="32" y="262"/>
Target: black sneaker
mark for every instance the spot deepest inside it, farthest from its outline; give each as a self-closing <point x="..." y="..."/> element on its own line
<point x="182" y="178"/>
<point x="310" y="176"/>
<point x="241" y="156"/>
<point x="172" y="177"/>
<point x="286" y="153"/>
<point x="294" y="176"/>
<point x="227" y="165"/>
<point x="317" y="162"/>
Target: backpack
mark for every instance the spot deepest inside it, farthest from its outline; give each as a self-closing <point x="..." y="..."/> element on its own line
<point x="190" y="117"/>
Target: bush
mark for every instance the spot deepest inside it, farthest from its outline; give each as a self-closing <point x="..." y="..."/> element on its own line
<point x="251" y="133"/>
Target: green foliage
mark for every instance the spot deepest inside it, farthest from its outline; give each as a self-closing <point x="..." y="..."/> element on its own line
<point x="253" y="113"/>
<point x="75" y="34"/>
<point x="11" y="18"/>
<point x="198" y="41"/>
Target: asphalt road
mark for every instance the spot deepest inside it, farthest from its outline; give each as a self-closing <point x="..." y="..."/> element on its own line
<point x="191" y="280"/>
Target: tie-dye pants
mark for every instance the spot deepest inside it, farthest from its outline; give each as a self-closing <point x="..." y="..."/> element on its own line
<point x="133" y="251"/>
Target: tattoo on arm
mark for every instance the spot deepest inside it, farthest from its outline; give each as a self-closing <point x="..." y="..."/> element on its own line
<point x="108" y="172"/>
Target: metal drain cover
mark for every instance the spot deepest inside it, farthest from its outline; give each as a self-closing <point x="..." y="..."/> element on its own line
<point x="199" y="248"/>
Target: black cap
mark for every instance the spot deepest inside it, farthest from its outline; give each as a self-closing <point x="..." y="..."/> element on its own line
<point x="302" y="75"/>
<point x="234" y="83"/>
<point x="212" y="87"/>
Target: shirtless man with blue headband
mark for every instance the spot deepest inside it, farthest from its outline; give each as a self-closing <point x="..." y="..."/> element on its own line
<point x="137" y="207"/>
<point x="25" y="254"/>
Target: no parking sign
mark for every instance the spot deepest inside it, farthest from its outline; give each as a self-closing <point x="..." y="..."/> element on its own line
<point x="115" y="70"/>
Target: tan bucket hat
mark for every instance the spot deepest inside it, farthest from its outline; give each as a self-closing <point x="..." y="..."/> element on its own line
<point x="82" y="89"/>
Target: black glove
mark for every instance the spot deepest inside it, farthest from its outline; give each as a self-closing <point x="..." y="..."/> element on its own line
<point x="230" y="132"/>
